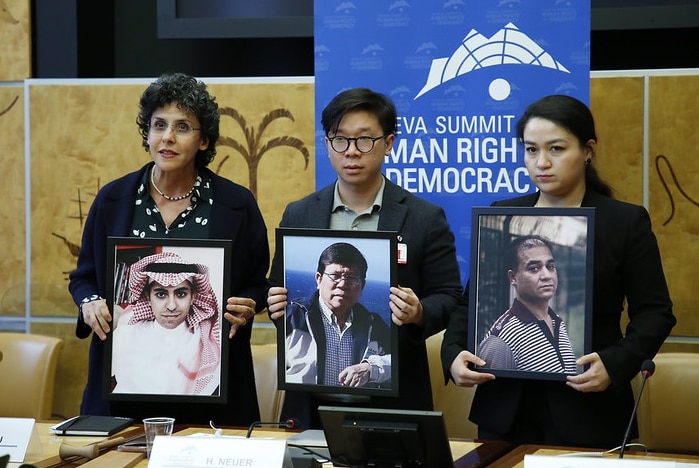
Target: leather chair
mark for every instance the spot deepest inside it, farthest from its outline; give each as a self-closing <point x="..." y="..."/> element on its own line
<point x="27" y="374"/>
<point x="453" y="401"/>
<point x="270" y="398"/>
<point x="668" y="412"/>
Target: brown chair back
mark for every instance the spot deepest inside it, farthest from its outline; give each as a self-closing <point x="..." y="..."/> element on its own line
<point x="453" y="401"/>
<point x="27" y="374"/>
<point x="270" y="399"/>
<point x="668" y="412"/>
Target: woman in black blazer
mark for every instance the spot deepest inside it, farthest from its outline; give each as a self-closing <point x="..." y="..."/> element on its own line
<point x="593" y="408"/>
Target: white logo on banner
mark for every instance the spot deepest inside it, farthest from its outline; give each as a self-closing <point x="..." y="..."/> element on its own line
<point x="508" y="46"/>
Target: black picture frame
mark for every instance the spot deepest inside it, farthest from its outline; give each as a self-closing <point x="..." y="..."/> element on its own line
<point x="300" y="356"/>
<point x="127" y="350"/>
<point x="570" y="232"/>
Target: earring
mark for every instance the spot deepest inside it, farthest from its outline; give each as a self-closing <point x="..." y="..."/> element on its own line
<point x="587" y="161"/>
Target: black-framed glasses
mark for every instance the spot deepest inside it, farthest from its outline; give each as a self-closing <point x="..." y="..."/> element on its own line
<point x="350" y="280"/>
<point x="180" y="128"/>
<point x="364" y="144"/>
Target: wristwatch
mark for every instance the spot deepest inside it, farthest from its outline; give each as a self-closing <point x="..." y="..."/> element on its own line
<point x="94" y="297"/>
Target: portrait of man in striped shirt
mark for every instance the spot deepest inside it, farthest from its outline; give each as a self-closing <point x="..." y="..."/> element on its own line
<point x="530" y="336"/>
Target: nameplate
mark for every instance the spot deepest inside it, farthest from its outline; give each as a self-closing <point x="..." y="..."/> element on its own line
<point x="593" y="461"/>
<point x="188" y="451"/>
<point x="15" y="435"/>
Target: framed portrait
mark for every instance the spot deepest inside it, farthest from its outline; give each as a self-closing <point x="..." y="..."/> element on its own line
<point x="337" y="335"/>
<point x="530" y="291"/>
<point x="167" y="298"/>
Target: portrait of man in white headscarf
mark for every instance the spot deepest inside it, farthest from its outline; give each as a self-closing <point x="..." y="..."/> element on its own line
<point x="167" y="332"/>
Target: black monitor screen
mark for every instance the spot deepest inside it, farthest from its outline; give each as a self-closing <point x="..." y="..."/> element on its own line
<point x="386" y="438"/>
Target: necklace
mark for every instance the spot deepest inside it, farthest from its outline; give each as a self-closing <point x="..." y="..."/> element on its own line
<point x="167" y="197"/>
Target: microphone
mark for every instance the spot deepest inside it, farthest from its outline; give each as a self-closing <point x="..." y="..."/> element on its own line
<point x="288" y="424"/>
<point x="647" y="369"/>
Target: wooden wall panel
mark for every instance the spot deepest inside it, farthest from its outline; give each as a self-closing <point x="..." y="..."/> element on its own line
<point x="82" y="136"/>
<point x="285" y="173"/>
<point x="673" y="189"/>
<point x="12" y="210"/>
<point x="15" y="37"/>
<point x="617" y="105"/>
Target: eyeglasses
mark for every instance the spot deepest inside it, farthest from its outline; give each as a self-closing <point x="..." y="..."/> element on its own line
<point x="364" y="144"/>
<point x="350" y="280"/>
<point x="180" y="128"/>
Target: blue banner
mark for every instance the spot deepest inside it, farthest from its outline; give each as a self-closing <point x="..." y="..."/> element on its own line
<point x="460" y="73"/>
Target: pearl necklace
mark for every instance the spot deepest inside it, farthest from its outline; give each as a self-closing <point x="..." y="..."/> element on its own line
<point x="167" y="197"/>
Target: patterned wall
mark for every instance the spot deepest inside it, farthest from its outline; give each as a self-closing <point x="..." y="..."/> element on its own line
<point x="665" y="178"/>
<point x="12" y="209"/>
<point x="15" y="37"/>
<point x="673" y="190"/>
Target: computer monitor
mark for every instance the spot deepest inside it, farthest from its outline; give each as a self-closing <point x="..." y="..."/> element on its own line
<point x="386" y="438"/>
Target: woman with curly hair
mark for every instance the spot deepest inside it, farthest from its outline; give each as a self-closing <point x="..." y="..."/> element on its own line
<point x="176" y="196"/>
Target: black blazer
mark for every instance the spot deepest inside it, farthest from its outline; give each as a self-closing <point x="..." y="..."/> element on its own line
<point x="431" y="271"/>
<point x="234" y="215"/>
<point x="627" y="266"/>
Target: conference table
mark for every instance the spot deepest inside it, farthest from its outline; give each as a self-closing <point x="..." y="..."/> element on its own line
<point x="466" y="453"/>
<point x="515" y="458"/>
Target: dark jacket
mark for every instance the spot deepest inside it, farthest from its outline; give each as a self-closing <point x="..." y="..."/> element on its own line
<point x="431" y="271"/>
<point x="235" y="216"/>
<point x="627" y="266"/>
<point x="366" y="326"/>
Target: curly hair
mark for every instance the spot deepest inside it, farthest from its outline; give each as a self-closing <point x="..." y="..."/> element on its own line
<point x="189" y="94"/>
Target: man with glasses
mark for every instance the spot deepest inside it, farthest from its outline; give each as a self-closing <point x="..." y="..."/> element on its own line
<point x="359" y="126"/>
<point x="332" y="339"/>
